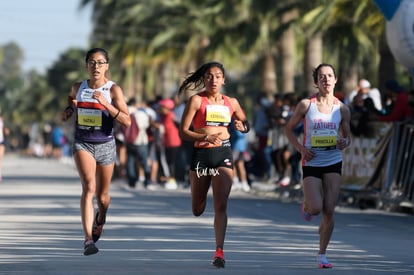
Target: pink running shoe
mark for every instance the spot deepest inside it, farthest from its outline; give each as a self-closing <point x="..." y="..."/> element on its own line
<point x="218" y="259"/>
<point x="305" y="215"/>
<point x="323" y="261"/>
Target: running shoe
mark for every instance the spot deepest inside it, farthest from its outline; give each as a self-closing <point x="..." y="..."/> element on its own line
<point x="305" y="215"/>
<point x="171" y="184"/>
<point x="218" y="259"/>
<point x="245" y="186"/>
<point x="97" y="228"/>
<point x="285" y="181"/>
<point x="323" y="261"/>
<point x="236" y="186"/>
<point x="89" y="248"/>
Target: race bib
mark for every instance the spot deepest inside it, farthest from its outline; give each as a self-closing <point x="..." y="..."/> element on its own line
<point x="323" y="139"/>
<point x="90" y="117"/>
<point x="217" y="115"/>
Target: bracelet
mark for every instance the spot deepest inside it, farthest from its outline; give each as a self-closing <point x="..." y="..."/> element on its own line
<point x="117" y="114"/>
<point x="246" y="127"/>
<point x="206" y="138"/>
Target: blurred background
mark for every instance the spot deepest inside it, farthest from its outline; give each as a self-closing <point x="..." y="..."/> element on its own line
<point x="267" y="47"/>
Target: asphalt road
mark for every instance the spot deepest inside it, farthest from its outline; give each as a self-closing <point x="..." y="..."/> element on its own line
<point x="154" y="232"/>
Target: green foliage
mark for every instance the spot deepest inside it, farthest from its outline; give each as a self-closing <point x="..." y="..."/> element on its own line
<point x="153" y="44"/>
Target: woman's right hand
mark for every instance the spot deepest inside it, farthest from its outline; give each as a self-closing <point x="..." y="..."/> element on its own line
<point x="307" y="154"/>
<point x="214" y="139"/>
<point x="67" y="113"/>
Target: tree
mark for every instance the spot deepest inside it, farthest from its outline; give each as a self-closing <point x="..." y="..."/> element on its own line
<point x="351" y="32"/>
<point x="69" y="68"/>
<point x="11" y="57"/>
<point x="11" y="81"/>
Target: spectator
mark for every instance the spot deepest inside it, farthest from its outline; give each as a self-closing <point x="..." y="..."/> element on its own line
<point x="278" y="114"/>
<point x="58" y="140"/>
<point x="364" y="87"/>
<point x="186" y="149"/>
<point x="154" y="143"/>
<point x="261" y="125"/>
<point x="401" y="109"/>
<point x="137" y="148"/>
<point x="361" y="118"/>
<point x="171" y="140"/>
<point x="47" y="139"/>
<point x="238" y="142"/>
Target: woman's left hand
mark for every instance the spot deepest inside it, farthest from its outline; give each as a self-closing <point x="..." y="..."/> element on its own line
<point x="239" y="125"/>
<point x="97" y="95"/>
<point x="342" y="143"/>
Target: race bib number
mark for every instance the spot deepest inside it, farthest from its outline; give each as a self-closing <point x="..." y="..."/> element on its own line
<point x="323" y="139"/>
<point x="90" y="117"/>
<point x="217" y="115"/>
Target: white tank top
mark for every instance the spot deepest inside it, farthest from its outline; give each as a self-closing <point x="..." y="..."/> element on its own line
<point x="320" y="134"/>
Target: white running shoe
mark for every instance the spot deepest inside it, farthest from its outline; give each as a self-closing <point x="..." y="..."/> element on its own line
<point x="245" y="186"/>
<point x="285" y="181"/>
<point x="236" y="186"/>
<point x="171" y="184"/>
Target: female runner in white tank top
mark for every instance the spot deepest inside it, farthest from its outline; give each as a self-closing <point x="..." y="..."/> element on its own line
<point x="326" y="133"/>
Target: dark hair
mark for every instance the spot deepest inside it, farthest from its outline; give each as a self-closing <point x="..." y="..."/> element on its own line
<point x="316" y="70"/>
<point x="196" y="78"/>
<point x="97" y="50"/>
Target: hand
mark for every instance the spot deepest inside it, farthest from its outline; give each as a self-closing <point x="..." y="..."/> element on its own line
<point x="307" y="154"/>
<point x="67" y="113"/>
<point x="214" y="139"/>
<point x="238" y="125"/>
<point x="97" y="95"/>
<point x="342" y="143"/>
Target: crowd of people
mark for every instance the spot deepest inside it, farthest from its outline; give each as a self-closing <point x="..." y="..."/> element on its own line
<point x="369" y="105"/>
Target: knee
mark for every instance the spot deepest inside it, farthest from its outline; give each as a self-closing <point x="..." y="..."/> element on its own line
<point x="88" y="190"/>
<point x="220" y="207"/>
<point x="103" y="199"/>
<point x="314" y="211"/>
<point x="198" y="210"/>
<point x="328" y="214"/>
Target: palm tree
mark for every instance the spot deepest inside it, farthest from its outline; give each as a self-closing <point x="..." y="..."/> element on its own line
<point x="150" y="35"/>
<point x="350" y="31"/>
<point x="287" y="46"/>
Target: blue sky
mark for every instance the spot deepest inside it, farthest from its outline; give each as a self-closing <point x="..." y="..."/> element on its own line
<point x="44" y="29"/>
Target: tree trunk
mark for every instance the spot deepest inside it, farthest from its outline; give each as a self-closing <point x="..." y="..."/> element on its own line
<point x="287" y="53"/>
<point x="312" y="58"/>
<point x="349" y="79"/>
<point x="137" y="83"/>
<point x="269" y="75"/>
